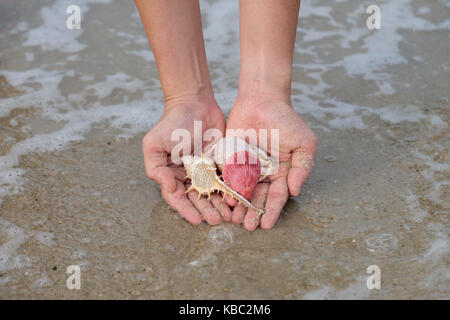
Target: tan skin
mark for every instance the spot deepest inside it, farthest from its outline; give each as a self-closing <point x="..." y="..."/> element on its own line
<point x="267" y="31"/>
<point x="179" y="51"/>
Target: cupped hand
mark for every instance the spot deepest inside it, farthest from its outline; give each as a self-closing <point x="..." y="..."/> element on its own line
<point x="157" y="148"/>
<point x="296" y="150"/>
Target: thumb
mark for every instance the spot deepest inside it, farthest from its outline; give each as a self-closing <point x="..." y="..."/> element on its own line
<point x="299" y="172"/>
<point x="165" y="177"/>
<point x="156" y="167"/>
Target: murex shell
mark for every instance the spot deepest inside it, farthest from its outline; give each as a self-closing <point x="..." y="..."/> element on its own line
<point x="241" y="164"/>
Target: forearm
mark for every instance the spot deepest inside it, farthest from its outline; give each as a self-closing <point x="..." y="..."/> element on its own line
<point x="175" y="34"/>
<point x="267" y="32"/>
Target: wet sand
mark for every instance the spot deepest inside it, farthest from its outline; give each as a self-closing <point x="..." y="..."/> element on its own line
<point x="74" y="106"/>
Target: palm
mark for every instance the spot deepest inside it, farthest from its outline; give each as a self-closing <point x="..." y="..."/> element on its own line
<point x="183" y="117"/>
<point x="157" y="147"/>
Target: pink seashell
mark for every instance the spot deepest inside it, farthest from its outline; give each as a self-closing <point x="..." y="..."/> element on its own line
<point x="241" y="172"/>
<point x="242" y="165"/>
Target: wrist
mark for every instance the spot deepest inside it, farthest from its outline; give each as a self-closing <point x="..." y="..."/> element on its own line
<point x="192" y="90"/>
<point x="271" y="82"/>
<point x="195" y="99"/>
<point x="186" y="77"/>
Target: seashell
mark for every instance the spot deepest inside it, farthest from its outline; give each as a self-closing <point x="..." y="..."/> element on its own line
<point x="204" y="179"/>
<point x="242" y="165"/>
<point x="241" y="172"/>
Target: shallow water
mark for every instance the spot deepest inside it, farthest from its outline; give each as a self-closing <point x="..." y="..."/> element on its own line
<point x="74" y="105"/>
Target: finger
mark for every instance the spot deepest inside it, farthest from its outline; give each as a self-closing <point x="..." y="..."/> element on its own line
<point x="251" y="220"/>
<point x="276" y="199"/>
<point x="221" y="206"/>
<point x="156" y="168"/>
<point x="302" y="162"/>
<point x="296" y="178"/>
<point x="179" y="202"/>
<point x="237" y="216"/>
<point x="230" y="201"/>
<point x="209" y="213"/>
<point x="180" y="173"/>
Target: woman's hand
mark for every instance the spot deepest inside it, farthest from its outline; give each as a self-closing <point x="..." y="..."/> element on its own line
<point x="297" y="147"/>
<point x="157" y="148"/>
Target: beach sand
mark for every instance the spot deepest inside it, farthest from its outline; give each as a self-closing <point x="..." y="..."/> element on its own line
<point x="75" y="104"/>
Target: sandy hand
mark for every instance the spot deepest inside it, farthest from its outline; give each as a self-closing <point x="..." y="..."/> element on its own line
<point x="297" y="147"/>
<point x="157" y="146"/>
